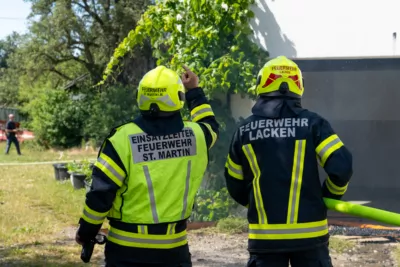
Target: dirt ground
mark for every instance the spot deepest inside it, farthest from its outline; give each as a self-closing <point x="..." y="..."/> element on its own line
<point x="224" y="250"/>
<point x="219" y="250"/>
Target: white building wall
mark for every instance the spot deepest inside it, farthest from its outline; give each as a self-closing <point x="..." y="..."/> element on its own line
<point x="240" y="107"/>
<point x="321" y="28"/>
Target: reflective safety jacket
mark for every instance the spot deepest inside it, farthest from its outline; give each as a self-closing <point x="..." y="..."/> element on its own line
<point x="272" y="168"/>
<point x="145" y="180"/>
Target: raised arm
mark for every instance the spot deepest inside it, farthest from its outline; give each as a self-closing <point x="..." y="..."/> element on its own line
<point x="200" y="109"/>
<point x="202" y="113"/>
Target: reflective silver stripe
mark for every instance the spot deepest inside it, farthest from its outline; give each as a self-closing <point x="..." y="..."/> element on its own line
<point x="111" y="169"/>
<point x="93" y="217"/>
<point x="296" y="179"/>
<point x="289" y="231"/>
<point x="143" y="99"/>
<point x="257" y="175"/>
<point x="171" y="228"/>
<point x="147" y="241"/>
<point x="329" y="145"/>
<point x="167" y="100"/>
<point x="151" y="193"/>
<point x="185" y="196"/>
<point x="231" y="168"/>
<point x="142" y="229"/>
<point x="201" y="111"/>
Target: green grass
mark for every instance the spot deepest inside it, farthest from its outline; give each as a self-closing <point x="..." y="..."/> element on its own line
<point x="339" y="246"/>
<point x="232" y="225"/>
<point x="228" y="225"/>
<point x="35" y="155"/>
<point x="39" y="215"/>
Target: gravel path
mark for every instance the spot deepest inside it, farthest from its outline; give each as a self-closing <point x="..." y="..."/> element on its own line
<point x="209" y="250"/>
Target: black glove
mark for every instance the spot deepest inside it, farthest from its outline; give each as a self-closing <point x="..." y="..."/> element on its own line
<point x="88" y="247"/>
<point x="86" y="232"/>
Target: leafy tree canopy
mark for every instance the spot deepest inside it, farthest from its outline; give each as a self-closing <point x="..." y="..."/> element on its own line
<point x="212" y="38"/>
<point x="67" y="45"/>
<point x="64" y="33"/>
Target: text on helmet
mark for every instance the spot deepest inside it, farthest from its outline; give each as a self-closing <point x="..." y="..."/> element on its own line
<point x="290" y="68"/>
<point x="147" y="91"/>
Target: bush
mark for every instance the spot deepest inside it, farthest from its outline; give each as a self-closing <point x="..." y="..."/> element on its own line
<point x="233" y="225"/>
<point x="57" y="119"/>
<point x="32" y="145"/>
<point x="111" y="107"/>
<point x="62" y="119"/>
<point x="212" y="205"/>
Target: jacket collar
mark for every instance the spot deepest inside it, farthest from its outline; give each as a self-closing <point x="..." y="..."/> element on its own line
<point x="161" y="125"/>
<point x="277" y="107"/>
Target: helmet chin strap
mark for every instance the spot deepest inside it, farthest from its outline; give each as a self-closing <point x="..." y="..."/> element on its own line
<point x="154" y="110"/>
<point x="284" y="88"/>
<point x="182" y="96"/>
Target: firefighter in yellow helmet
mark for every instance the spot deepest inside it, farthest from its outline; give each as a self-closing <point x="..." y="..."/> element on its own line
<point x="147" y="174"/>
<point x="272" y="168"/>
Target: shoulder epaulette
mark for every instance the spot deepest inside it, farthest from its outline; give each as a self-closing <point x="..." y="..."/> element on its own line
<point x="117" y="128"/>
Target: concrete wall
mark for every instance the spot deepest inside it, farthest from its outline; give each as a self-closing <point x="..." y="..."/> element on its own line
<point x="363" y="108"/>
<point x="354" y="95"/>
<point x="320" y="28"/>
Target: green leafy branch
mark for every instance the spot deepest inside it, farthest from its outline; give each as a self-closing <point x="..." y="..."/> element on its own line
<point x="211" y="37"/>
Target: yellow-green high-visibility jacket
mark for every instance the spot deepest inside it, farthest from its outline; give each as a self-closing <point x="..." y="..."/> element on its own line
<point x="145" y="180"/>
<point x="156" y="190"/>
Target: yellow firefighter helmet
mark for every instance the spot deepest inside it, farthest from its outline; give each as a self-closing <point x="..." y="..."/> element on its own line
<point x="161" y="90"/>
<point x="280" y="77"/>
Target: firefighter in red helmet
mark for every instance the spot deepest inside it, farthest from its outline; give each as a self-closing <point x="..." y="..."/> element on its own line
<point x="272" y="168"/>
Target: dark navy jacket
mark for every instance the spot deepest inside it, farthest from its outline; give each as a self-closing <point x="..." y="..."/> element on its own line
<point x="272" y="168"/>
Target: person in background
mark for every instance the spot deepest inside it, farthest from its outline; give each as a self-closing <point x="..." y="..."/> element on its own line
<point x="148" y="172"/>
<point x="11" y="131"/>
<point x="272" y="168"/>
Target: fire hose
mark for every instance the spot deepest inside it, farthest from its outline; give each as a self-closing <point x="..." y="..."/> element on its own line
<point x="375" y="214"/>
